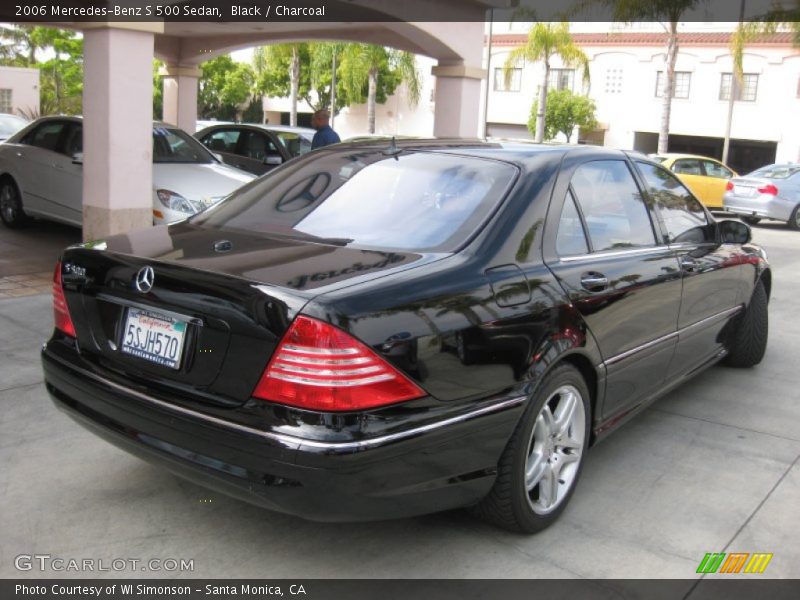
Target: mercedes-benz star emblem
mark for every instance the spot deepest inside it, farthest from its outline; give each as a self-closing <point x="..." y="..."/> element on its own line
<point x="144" y="279"/>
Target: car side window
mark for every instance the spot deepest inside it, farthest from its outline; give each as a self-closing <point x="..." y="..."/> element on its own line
<point x="295" y="144"/>
<point x="571" y="238"/>
<point x="716" y="170"/>
<point x="222" y="140"/>
<point x="45" y="136"/>
<point x="257" y="146"/>
<point x="74" y="142"/>
<point x="613" y="208"/>
<point x="682" y="213"/>
<point x="687" y="166"/>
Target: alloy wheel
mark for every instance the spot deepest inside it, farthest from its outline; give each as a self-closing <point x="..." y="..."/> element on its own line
<point x="555" y="449"/>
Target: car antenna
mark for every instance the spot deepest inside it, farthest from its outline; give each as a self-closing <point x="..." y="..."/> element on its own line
<point x="392" y="150"/>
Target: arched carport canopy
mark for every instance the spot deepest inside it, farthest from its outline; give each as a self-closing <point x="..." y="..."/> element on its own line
<point x="117" y="183"/>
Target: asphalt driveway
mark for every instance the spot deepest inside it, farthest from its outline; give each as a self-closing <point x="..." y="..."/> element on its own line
<point x="713" y="467"/>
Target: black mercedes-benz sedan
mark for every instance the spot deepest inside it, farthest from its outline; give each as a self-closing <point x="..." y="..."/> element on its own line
<point x="386" y="329"/>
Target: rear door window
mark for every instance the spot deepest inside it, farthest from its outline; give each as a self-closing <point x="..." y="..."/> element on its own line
<point x="257" y="146"/>
<point x="683" y="215"/>
<point x="571" y="238"/>
<point x="716" y="170"/>
<point x="612" y="205"/>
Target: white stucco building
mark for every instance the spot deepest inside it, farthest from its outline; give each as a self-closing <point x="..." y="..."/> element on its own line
<point x="19" y="90"/>
<point x="624" y="75"/>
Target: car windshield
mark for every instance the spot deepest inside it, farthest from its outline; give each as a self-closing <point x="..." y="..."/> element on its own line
<point x="176" y="146"/>
<point x="9" y="125"/>
<point x="412" y="201"/>
<point x="776" y="171"/>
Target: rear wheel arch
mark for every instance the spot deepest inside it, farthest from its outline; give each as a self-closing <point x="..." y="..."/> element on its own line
<point x="766" y="279"/>
<point x="584" y="366"/>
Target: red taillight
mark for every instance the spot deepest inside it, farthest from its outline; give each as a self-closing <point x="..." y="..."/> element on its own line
<point x="768" y="189"/>
<point x="729" y="186"/>
<point x="60" y="310"/>
<point x="319" y="367"/>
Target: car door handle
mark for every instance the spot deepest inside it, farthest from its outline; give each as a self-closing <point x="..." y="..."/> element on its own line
<point x="688" y="264"/>
<point x="594" y="282"/>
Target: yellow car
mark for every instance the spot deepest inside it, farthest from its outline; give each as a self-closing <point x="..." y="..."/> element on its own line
<point x="704" y="176"/>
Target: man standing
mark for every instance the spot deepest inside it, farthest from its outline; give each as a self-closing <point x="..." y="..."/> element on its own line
<point x="325" y="134"/>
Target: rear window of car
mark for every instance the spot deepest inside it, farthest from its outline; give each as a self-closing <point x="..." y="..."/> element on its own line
<point x="776" y="171"/>
<point x="417" y="201"/>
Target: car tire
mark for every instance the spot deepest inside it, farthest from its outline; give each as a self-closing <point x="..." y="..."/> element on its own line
<point x="11" y="211"/>
<point x="752" y="220"/>
<point x="794" y="220"/>
<point x="749" y="340"/>
<point x="541" y="448"/>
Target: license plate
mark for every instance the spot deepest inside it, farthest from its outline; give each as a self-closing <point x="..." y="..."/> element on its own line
<point x="744" y="190"/>
<point x="153" y="336"/>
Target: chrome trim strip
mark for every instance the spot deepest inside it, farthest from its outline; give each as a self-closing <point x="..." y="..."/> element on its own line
<point x="619" y="357"/>
<point x="664" y="338"/>
<point x="133" y="304"/>
<point x="285" y="366"/>
<point x="615" y="253"/>
<point x="290" y="440"/>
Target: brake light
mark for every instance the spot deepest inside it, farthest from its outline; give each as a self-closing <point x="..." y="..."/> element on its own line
<point x="768" y="189"/>
<point x="60" y="309"/>
<point x="320" y="367"/>
<point x="729" y="186"/>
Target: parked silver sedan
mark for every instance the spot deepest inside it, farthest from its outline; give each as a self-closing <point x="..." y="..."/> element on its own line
<point x="771" y="192"/>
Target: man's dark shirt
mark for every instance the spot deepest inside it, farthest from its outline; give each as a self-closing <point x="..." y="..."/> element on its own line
<point x="324" y="136"/>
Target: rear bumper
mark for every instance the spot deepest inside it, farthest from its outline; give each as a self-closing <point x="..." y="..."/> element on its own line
<point x="763" y="206"/>
<point x="414" y="472"/>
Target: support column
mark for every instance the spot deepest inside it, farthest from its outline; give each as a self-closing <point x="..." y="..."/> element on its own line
<point x="180" y="96"/>
<point x="117" y="128"/>
<point x="458" y="100"/>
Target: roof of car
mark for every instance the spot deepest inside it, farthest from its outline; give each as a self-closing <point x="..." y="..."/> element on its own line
<point x="677" y="155"/>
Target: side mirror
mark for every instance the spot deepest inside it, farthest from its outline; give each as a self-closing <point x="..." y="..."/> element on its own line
<point x="77" y="158"/>
<point x="273" y="159"/>
<point x="734" y="232"/>
<point x="218" y="156"/>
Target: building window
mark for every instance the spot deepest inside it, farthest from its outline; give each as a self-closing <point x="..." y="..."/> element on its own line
<point x="746" y="91"/>
<point x="514" y="82"/>
<point x="5" y="101"/>
<point x="683" y="81"/>
<point x="613" y="81"/>
<point x="561" y="79"/>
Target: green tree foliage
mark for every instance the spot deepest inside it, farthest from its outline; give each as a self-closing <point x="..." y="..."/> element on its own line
<point x="224" y="86"/>
<point x="668" y="13"/>
<point x="565" y="111"/>
<point x="364" y="73"/>
<point x="158" y="90"/>
<point x="546" y="40"/>
<point x="61" y="75"/>
<point x="372" y="73"/>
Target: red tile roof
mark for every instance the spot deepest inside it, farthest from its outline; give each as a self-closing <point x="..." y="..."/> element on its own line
<point x="650" y="39"/>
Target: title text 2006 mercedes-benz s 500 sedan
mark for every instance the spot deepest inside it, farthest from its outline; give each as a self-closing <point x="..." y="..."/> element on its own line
<point x="380" y="330"/>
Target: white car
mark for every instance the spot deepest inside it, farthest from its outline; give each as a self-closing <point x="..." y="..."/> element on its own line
<point x="10" y="124"/>
<point x="41" y="174"/>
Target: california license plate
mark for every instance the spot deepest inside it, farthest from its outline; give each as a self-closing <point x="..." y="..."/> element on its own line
<point x="153" y="336"/>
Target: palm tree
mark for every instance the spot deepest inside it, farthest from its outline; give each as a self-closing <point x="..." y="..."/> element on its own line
<point x="363" y="61"/>
<point x="546" y="40"/>
<point x="666" y="12"/>
<point x="282" y="54"/>
<point x="745" y="33"/>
